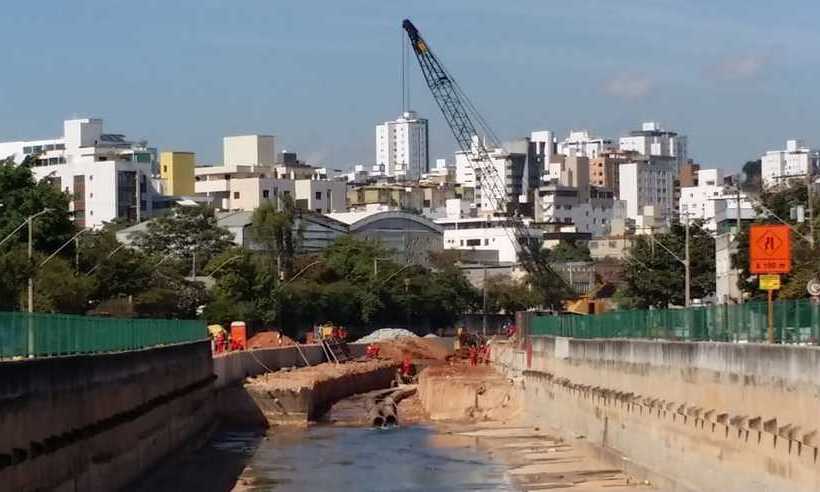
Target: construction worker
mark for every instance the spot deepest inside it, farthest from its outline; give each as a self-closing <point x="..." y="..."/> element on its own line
<point x="473" y="356"/>
<point x="405" y="373"/>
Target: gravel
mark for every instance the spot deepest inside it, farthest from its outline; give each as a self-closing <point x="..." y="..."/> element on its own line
<point x="386" y="334"/>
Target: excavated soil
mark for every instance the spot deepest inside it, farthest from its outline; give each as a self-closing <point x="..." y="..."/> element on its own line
<point x="269" y="339"/>
<point x="420" y="350"/>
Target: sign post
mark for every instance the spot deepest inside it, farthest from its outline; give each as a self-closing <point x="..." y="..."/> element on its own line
<point x="770" y="252"/>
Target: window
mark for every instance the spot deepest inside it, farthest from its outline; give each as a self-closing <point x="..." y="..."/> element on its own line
<point x="318" y="195"/>
<point x="265" y="193"/>
<point x="236" y="195"/>
<point x="59" y="146"/>
<point x="27" y="150"/>
<point x="486" y="242"/>
<point x="165" y="169"/>
<point x="474" y="242"/>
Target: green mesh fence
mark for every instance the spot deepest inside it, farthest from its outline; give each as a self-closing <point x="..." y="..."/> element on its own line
<point x="796" y="321"/>
<point x="47" y="335"/>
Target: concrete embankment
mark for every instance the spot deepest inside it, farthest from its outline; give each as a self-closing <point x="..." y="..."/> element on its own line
<point x="98" y="422"/>
<point x="691" y="416"/>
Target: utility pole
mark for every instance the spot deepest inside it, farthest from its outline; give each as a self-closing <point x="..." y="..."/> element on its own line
<point x="484" y="303"/>
<point x="137" y="181"/>
<point x="810" y="193"/>
<point x="737" y="234"/>
<point x="686" y="262"/>
<point x="30" y="276"/>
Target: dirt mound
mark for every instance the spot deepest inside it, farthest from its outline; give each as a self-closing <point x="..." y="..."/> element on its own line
<point x="269" y="339"/>
<point x="418" y="349"/>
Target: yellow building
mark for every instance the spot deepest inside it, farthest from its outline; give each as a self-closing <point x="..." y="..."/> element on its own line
<point x="177" y="169"/>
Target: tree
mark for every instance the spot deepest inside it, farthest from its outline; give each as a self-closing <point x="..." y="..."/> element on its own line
<point x="804" y="260"/>
<point x="21" y="196"/>
<point x="15" y="269"/>
<point x="59" y="289"/>
<point x="507" y="295"/>
<point x="569" y="251"/>
<point x="273" y="229"/>
<point x="754" y="180"/>
<point x="654" y="277"/>
<point x="189" y="234"/>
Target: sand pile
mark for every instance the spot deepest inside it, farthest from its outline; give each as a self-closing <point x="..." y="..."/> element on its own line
<point x="418" y="349"/>
<point x="386" y="334"/>
<point x="309" y="376"/>
<point x="269" y="339"/>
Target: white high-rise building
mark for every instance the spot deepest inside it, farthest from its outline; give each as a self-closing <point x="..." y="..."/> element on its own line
<point x="543" y="143"/>
<point x="584" y="145"/>
<point x="100" y="171"/>
<point x="653" y="141"/>
<point x="778" y="166"/>
<point x="713" y="202"/>
<point x="647" y="187"/>
<point x="402" y="148"/>
<point x="507" y="174"/>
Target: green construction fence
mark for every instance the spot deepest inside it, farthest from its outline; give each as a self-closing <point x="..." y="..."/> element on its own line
<point x="795" y="321"/>
<point x="49" y="335"/>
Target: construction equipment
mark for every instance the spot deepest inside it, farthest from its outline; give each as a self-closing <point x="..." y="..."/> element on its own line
<point x="463" y="118"/>
<point x="332" y="340"/>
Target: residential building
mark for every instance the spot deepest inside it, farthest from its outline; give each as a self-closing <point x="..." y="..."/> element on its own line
<point x="582" y="144"/>
<point x="402" y="148"/>
<point x="385" y="197"/>
<point x="484" y="239"/>
<point x="252" y="174"/>
<point x="726" y="276"/>
<point x="603" y="170"/>
<point x="571" y="171"/>
<point x="713" y="202"/>
<point x="249" y="150"/>
<point x="647" y="186"/>
<point x="593" y="211"/>
<point x="176" y="169"/>
<point x="320" y="195"/>
<point x="105" y="174"/>
<point x="653" y="141"/>
<point x="797" y="161"/>
<point x="543" y="143"/>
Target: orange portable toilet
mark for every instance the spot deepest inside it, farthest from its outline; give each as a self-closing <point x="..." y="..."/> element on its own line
<point x="238" y="335"/>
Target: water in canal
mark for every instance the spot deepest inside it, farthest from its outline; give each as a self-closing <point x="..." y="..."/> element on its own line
<point x="333" y="458"/>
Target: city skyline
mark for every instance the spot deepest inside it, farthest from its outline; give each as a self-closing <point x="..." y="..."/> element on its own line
<point x="736" y="88"/>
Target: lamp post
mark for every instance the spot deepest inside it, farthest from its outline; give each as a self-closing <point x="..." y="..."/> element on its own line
<point x="30" y="220"/>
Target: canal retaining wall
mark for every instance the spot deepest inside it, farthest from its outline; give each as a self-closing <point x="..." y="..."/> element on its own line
<point x="700" y="416"/>
<point x="98" y="422"/>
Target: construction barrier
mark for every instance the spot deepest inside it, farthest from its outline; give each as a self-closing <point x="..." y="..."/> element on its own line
<point x="49" y="335"/>
<point x="795" y="321"/>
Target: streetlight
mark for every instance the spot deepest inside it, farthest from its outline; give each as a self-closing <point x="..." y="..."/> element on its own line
<point x="73" y="238"/>
<point x="685" y="261"/>
<point x="109" y="255"/>
<point x="232" y="258"/>
<point x="29" y="220"/>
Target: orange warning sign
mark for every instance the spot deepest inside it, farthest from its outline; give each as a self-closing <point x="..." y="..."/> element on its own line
<point x="770" y="249"/>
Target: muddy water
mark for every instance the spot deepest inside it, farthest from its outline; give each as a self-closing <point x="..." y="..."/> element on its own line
<point x="365" y="459"/>
<point x="327" y="457"/>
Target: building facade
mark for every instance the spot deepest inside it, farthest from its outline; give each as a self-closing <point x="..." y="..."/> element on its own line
<point x="105" y="175"/>
<point x="402" y="148"/>
<point x="714" y="203"/>
<point x="581" y="143"/>
<point x="646" y="185"/>
<point x="176" y="169"/>
<point x="797" y="161"/>
<point x="653" y="141"/>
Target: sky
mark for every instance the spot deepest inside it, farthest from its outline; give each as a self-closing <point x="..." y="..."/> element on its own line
<point x="737" y="77"/>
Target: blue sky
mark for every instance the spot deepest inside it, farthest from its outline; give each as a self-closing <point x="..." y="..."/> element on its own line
<point x="738" y="77"/>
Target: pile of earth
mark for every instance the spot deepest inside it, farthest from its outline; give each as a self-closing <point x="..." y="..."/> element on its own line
<point x="387" y="334"/>
<point x="269" y="339"/>
<point x="420" y="350"/>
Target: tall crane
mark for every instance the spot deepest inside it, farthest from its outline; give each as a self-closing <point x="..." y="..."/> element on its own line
<point x="464" y="121"/>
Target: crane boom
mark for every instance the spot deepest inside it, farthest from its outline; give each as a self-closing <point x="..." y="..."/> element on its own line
<point x="457" y="110"/>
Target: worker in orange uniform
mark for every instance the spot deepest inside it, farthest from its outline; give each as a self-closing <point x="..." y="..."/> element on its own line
<point x="473" y="356"/>
<point x="405" y="375"/>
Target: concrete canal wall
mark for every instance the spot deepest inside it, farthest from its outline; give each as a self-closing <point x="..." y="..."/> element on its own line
<point x="699" y="416"/>
<point x="98" y="422"/>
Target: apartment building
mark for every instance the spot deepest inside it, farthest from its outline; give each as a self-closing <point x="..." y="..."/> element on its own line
<point x="105" y="174"/>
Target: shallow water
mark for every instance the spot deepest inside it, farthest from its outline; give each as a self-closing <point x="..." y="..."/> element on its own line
<point x="366" y="459"/>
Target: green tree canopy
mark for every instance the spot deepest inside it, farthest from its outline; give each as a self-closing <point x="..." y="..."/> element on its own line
<point x="186" y="233"/>
<point x="654" y="277"/>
